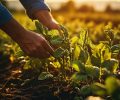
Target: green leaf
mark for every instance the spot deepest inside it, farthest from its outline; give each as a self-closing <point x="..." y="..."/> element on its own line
<point x="56" y="40"/>
<point x="105" y="72"/>
<point x="92" y="71"/>
<point x="78" y="98"/>
<point x="110" y="33"/>
<point x="39" y="27"/>
<point x="115" y="48"/>
<point x="86" y="90"/>
<point x="111" y="65"/>
<point x="27" y="65"/>
<point x="59" y="52"/>
<point x="80" y="65"/>
<point x="44" y="76"/>
<point x="76" y="51"/>
<point x="112" y="84"/>
<point x="19" y="53"/>
<point x="79" y="77"/>
<point x="53" y="33"/>
<point x="83" y="57"/>
<point x="36" y="63"/>
<point x="116" y="94"/>
<point x="99" y="89"/>
<point x="26" y="82"/>
<point x="74" y="40"/>
<point x="64" y="31"/>
<point x="96" y="61"/>
<point x="75" y="66"/>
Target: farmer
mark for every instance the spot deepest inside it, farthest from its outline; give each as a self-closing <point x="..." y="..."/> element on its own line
<point x="30" y="42"/>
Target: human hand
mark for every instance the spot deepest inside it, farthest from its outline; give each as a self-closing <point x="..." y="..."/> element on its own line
<point x="35" y="45"/>
<point x="45" y="17"/>
<point x="31" y="43"/>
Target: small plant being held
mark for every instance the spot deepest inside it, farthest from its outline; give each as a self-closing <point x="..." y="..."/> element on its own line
<point x="60" y="41"/>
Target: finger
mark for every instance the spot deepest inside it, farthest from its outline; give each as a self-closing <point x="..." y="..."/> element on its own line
<point x="42" y="53"/>
<point x="32" y="51"/>
<point x="25" y="49"/>
<point x="43" y="56"/>
<point x="47" y="47"/>
<point x="56" y="26"/>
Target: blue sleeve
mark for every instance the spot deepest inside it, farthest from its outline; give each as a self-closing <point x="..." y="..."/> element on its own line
<point x="33" y="5"/>
<point x="5" y="15"/>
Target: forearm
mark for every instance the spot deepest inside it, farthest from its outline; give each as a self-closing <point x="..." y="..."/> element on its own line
<point x="32" y="6"/>
<point x="9" y="24"/>
<point x="31" y="43"/>
<point x="38" y="9"/>
<point x="13" y="29"/>
<point x="44" y="17"/>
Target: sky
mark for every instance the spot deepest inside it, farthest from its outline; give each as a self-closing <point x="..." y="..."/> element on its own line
<point x="98" y="4"/>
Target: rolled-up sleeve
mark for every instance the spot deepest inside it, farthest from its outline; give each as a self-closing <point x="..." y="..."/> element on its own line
<point x="33" y="5"/>
<point x="5" y="15"/>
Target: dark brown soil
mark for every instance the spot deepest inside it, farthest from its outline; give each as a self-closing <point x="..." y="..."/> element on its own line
<point x="16" y="84"/>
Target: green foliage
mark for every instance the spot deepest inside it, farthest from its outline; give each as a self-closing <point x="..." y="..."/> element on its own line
<point x="83" y="57"/>
<point x="56" y="40"/>
<point x="111" y="65"/>
<point x="111" y="87"/>
<point x="92" y="71"/>
<point x="77" y="58"/>
<point x="112" y="84"/>
<point x="86" y="90"/>
<point x="79" y="77"/>
<point x="62" y="53"/>
<point x="99" y="89"/>
<point x="39" y="28"/>
<point x="115" y="48"/>
<point x="78" y="98"/>
<point x="59" y="53"/>
<point x="93" y="62"/>
<point x="80" y="65"/>
<point x="44" y="76"/>
<point x="96" y="61"/>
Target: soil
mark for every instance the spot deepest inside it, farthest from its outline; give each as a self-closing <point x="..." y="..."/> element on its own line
<point x="16" y="84"/>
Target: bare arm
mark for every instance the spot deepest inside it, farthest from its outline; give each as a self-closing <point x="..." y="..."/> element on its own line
<point x="38" y="9"/>
<point x="31" y="43"/>
<point x="47" y="19"/>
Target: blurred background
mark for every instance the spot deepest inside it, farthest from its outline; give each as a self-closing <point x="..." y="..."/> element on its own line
<point x="77" y="11"/>
<point x="94" y="32"/>
<point x="99" y="5"/>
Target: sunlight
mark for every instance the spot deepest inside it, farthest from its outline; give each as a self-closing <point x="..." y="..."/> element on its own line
<point x="56" y="4"/>
<point x="70" y="52"/>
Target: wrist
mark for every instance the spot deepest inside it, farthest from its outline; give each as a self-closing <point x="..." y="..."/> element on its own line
<point x="14" y="29"/>
<point x="44" y="16"/>
<point x="46" y="19"/>
<point x="18" y="36"/>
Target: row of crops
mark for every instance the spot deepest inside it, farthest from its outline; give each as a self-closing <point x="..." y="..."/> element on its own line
<point x="85" y="62"/>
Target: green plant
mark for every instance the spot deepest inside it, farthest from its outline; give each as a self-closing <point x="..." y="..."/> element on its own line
<point x="78" y="54"/>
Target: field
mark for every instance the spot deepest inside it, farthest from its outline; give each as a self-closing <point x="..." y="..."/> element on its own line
<point x="84" y="66"/>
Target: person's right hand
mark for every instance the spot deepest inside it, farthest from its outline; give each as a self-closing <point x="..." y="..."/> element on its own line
<point x="35" y="45"/>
